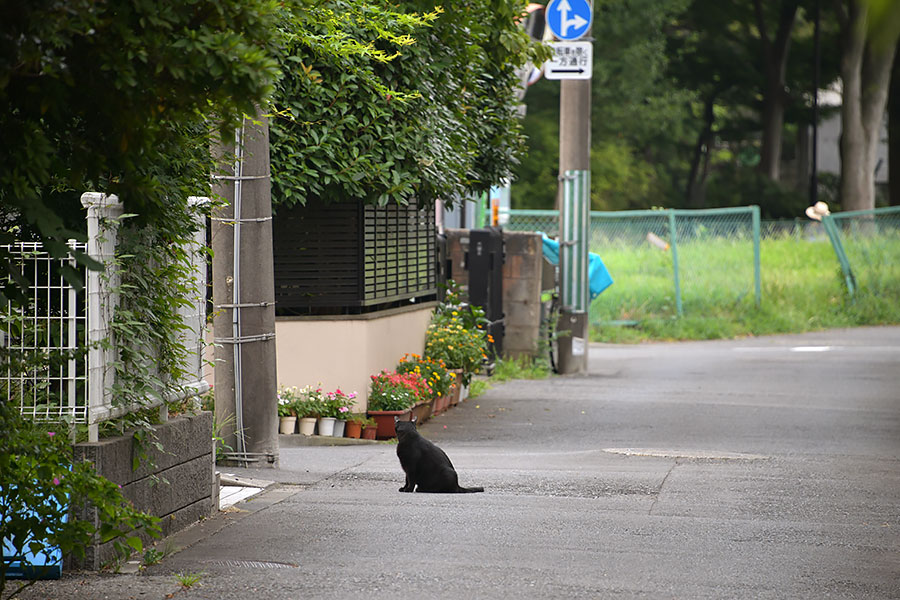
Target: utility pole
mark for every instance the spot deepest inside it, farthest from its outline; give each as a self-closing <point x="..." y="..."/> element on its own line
<point x="244" y="297"/>
<point x="569" y="21"/>
<point x="574" y="219"/>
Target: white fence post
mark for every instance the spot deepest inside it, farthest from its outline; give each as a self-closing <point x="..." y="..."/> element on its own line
<point x="195" y="315"/>
<point x="102" y="299"/>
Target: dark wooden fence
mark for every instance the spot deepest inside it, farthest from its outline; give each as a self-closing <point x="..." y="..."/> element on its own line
<point x="351" y="258"/>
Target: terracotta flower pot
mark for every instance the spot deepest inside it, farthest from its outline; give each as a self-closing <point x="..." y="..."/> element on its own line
<point x="353" y="429"/>
<point x="422" y="411"/>
<point x="369" y="432"/>
<point x="437" y="406"/>
<point x="385" y="420"/>
<point x="457" y="387"/>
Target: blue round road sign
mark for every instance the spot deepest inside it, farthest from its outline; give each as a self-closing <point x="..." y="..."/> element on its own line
<point x="569" y="19"/>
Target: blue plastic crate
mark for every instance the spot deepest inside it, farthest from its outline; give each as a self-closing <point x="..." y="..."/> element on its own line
<point x="45" y="565"/>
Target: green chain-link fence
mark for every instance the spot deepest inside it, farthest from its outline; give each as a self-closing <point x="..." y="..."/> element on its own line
<point x="867" y="244"/>
<point x="687" y="262"/>
<point x="667" y="262"/>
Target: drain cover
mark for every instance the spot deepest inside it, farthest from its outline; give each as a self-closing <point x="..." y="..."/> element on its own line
<point x="253" y="564"/>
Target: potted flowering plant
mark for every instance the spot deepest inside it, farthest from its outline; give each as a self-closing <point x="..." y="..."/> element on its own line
<point x="456" y="335"/>
<point x="355" y="423"/>
<point x="287" y="409"/>
<point x="437" y="377"/>
<point x="458" y="347"/>
<point x="310" y="405"/>
<point x="392" y="395"/>
<point x="369" y="429"/>
<point x="339" y="404"/>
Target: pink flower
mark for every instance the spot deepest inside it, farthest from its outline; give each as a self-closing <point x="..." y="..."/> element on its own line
<point x="338" y="391"/>
<point x="56" y="481"/>
<point x="51" y="433"/>
<point x="344" y="409"/>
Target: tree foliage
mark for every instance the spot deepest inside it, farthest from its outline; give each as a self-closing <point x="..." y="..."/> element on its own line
<point x="695" y="103"/>
<point x="114" y="96"/>
<point x="411" y="103"/>
<point x="636" y="115"/>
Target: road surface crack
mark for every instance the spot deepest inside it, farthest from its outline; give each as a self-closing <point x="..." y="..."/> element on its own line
<point x="661" y="485"/>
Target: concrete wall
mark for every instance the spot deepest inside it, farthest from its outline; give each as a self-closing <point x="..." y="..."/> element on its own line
<point x="343" y="351"/>
<point x="522" y="273"/>
<point x="177" y="484"/>
<point x="522" y="291"/>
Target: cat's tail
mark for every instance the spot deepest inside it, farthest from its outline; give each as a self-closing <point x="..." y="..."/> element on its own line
<point x="461" y="490"/>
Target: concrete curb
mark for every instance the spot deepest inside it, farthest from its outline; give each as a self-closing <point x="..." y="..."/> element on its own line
<point x="271" y="495"/>
<point x="297" y="440"/>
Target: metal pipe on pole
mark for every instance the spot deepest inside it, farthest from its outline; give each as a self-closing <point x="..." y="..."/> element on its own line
<point x="244" y="297"/>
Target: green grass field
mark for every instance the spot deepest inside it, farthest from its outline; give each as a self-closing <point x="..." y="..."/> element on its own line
<point x="801" y="282"/>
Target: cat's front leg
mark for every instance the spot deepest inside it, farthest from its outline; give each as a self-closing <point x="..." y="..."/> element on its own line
<point x="410" y="486"/>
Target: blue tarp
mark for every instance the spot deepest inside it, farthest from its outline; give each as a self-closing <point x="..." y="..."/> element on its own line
<point x="598" y="276"/>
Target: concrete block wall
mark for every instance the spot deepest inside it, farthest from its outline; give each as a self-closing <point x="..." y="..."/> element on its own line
<point x="522" y="292"/>
<point x="177" y="484"/>
<point x="522" y="273"/>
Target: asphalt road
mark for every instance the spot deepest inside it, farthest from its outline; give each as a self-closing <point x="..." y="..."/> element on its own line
<point x="757" y="468"/>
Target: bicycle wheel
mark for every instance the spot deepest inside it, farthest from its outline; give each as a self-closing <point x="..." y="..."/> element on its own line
<point x="550" y="319"/>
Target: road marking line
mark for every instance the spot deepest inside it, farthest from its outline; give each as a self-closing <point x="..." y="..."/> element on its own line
<point x="230" y="495"/>
<point x="690" y="454"/>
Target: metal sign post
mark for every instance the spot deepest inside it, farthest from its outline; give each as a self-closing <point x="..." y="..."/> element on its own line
<point x="571" y="20"/>
<point x="575" y="202"/>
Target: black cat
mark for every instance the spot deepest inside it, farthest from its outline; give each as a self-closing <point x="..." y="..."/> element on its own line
<point x="425" y="465"/>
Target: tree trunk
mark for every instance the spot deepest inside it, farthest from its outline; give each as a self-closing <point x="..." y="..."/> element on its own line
<point x="775" y="58"/>
<point x="694" y="191"/>
<point x="894" y="134"/>
<point x="866" y="72"/>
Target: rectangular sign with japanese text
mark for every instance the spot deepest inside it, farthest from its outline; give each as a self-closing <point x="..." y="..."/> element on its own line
<point x="570" y="60"/>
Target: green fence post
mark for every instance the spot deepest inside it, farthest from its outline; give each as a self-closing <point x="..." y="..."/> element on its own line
<point x="674" y="243"/>
<point x="573" y="251"/>
<point x="835" y="236"/>
<point x="756" y="268"/>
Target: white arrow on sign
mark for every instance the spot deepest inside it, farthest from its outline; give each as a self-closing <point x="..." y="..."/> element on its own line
<point x="565" y="22"/>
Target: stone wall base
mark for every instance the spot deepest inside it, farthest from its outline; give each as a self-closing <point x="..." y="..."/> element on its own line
<point x="176" y="484"/>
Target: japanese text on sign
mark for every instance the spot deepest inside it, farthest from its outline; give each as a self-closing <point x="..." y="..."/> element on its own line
<point x="571" y="60"/>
